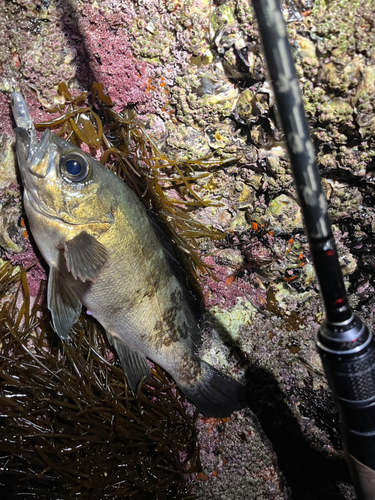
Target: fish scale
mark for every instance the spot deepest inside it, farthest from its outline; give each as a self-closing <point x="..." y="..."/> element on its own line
<point x="105" y="253"/>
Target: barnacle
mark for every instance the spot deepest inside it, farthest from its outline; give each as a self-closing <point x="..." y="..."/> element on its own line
<point x="69" y="427"/>
<point x="164" y="185"/>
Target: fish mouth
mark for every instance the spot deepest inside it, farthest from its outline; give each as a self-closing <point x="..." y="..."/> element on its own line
<point x="31" y="153"/>
<point x="35" y="158"/>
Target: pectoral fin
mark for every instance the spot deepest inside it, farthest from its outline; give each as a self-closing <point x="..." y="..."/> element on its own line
<point x="63" y="303"/>
<point x="85" y="256"/>
<point x="134" y="364"/>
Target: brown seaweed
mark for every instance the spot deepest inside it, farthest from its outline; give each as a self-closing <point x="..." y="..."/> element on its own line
<point x="69" y="425"/>
<point x="164" y="185"/>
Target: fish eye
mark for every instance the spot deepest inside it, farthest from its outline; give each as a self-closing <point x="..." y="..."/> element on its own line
<point x="74" y="167"/>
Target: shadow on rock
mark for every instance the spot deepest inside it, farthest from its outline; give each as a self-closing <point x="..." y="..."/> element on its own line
<point x="76" y="39"/>
<point x="310" y="474"/>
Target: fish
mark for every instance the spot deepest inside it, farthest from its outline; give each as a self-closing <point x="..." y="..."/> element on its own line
<point x="106" y="253"/>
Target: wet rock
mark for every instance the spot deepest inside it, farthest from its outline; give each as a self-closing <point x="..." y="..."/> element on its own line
<point x="284" y="214"/>
<point x="7" y="161"/>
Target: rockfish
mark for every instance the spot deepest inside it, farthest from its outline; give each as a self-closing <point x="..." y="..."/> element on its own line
<point x="105" y="253"/>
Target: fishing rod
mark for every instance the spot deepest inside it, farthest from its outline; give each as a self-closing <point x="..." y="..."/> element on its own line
<point x="345" y="343"/>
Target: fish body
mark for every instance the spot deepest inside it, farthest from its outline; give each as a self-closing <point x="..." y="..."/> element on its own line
<point x="105" y="253"/>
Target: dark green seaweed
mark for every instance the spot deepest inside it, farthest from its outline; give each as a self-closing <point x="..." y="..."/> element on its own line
<point x="69" y="425"/>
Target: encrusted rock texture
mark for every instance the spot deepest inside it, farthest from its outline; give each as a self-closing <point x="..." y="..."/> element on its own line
<point x="195" y="73"/>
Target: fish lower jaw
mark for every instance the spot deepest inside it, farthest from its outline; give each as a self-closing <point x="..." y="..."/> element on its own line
<point x="35" y="203"/>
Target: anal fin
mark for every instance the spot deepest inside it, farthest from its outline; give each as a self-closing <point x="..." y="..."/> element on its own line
<point x="134" y="364"/>
<point x="63" y="303"/>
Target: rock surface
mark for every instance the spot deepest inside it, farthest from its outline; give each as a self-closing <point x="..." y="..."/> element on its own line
<point x="194" y="72"/>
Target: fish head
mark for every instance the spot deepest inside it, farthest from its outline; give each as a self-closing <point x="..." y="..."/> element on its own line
<point x="63" y="182"/>
<point x="66" y="191"/>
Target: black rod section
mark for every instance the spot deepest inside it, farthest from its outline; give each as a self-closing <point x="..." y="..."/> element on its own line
<point x="345" y="343"/>
<point x="302" y="158"/>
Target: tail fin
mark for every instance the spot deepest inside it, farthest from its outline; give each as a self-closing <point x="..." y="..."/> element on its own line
<point x="215" y="394"/>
